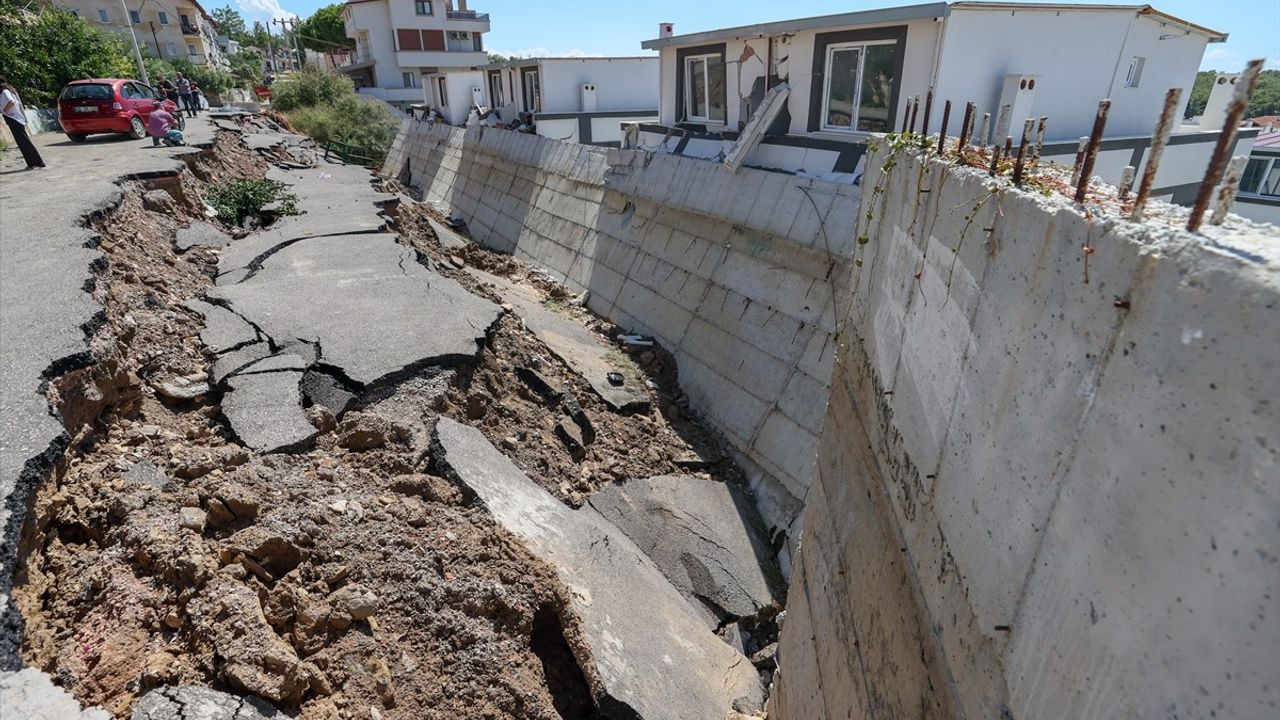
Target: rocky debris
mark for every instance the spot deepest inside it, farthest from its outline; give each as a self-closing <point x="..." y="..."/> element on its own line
<point x="265" y="411"/>
<point x="270" y="550"/>
<point x="200" y="233"/>
<point x="146" y="474"/>
<point x="192" y="518"/>
<point x="29" y="694"/>
<point x="322" y="389"/>
<point x="356" y="600"/>
<point x="649" y="654"/>
<point x="447" y="237"/>
<point x="367" y="303"/>
<point x="360" y="431"/>
<point x="159" y="201"/>
<point x="183" y="388"/>
<point x="321" y="418"/>
<point x="571" y="435"/>
<point x="573" y="343"/>
<point x="223" y="329"/>
<point x="704" y="536"/>
<point x="192" y="702"/>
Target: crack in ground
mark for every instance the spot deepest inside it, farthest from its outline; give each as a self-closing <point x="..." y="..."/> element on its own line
<point x="254" y="266"/>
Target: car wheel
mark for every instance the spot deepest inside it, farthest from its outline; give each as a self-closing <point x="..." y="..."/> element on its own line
<point x="137" y="130"/>
<point x="76" y="137"/>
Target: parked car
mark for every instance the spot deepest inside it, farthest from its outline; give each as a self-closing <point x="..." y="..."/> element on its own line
<point x="111" y="105"/>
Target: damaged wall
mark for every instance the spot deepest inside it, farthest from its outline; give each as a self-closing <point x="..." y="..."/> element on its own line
<point x="730" y="272"/>
<point x="1047" y="482"/>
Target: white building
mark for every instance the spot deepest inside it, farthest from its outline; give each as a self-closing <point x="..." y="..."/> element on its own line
<point x="1259" y="196"/>
<point x="582" y="100"/>
<point x="854" y="73"/>
<point x="400" y="41"/>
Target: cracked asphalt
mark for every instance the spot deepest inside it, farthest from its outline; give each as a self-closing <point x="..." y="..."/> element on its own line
<point x="46" y="262"/>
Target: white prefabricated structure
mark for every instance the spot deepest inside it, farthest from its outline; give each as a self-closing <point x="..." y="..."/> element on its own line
<point x="855" y="73"/>
<point x="582" y="100"/>
<point x="398" y="42"/>
<point x="1259" y="196"/>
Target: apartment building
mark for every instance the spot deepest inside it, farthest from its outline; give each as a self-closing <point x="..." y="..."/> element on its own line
<point x="167" y="29"/>
<point x="400" y="41"/>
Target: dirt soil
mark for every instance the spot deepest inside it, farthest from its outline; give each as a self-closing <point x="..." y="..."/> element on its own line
<point x="346" y="581"/>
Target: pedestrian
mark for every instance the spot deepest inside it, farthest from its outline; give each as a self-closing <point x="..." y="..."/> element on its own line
<point x="184" y="92"/>
<point x="11" y="106"/>
<point x="198" y="95"/>
<point x="168" y="90"/>
<point x="162" y="126"/>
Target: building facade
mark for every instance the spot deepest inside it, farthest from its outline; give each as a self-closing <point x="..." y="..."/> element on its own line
<point x="398" y="42"/>
<point x="853" y="74"/>
<point x="166" y="29"/>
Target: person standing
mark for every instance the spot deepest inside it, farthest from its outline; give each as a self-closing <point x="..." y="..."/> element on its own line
<point x="184" y="92"/>
<point x="168" y="90"/>
<point x="11" y="106"/>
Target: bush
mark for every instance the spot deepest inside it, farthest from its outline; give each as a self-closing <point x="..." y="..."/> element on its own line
<point x="352" y="119"/>
<point x="41" y="54"/>
<point x="210" y="80"/>
<point x="238" y="199"/>
<point x="310" y="87"/>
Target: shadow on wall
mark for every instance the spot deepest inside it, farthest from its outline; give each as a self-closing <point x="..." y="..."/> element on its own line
<point x="735" y="274"/>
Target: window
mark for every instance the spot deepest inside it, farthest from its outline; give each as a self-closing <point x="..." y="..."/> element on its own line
<point x="1257" y="180"/>
<point x="134" y="17"/>
<point x="164" y="18"/>
<point x="146" y="91"/>
<point x="422" y="7"/>
<point x="191" y="49"/>
<point x="532" y="91"/>
<point x="859" y="86"/>
<point x="1134" y="75"/>
<point x="410" y="79"/>
<point x="495" y="90"/>
<point x="173" y="49"/>
<point x="103" y="17"/>
<point x="409" y="40"/>
<point x="704" y="88"/>
<point x="442" y="90"/>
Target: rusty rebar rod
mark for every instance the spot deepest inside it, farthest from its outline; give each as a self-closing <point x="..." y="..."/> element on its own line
<point x="966" y="129"/>
<point x="1245" y="85"/>
<point x="1002" y="123"/>
<point x="1126" y="181"/>
<point x="984" y="135"/>
<point x="915" y="110"/>
<point x="1164" y="126"/>
<point x="928" y="110"/>
<point x="995" y="160"/>
<point x="1035" y="156"/>
<point x="942" y="132"/>
<point x="1091" y="152"/>
<point x="906" y="115"/>
<point x="1227" y="192"/>
<point x="1075" y="167"/>
<point x="1019" y="165"/>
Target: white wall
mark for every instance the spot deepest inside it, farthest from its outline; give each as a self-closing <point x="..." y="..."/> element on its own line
<point x="373" y="18"/>
<point x="458" y="86"/>
<point x="1079" y="58"/>
<point x="621" y="83"/>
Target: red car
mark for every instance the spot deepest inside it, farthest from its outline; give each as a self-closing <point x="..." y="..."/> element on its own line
<point x="112" y="105"/>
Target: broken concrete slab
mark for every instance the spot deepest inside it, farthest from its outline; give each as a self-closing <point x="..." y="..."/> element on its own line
<point x="200" y="233"/>
<point x="229" y="363"/>
<point x="647" y="654"/>
<point x="448" y="238"/>
<point x="372" y="310"/>
<point x="572" y="342"/>
<point x="265" y="411"/>
<point x="704" y="535"/>
<point x="275" y="363"/>
<point x="223" y="329"/>
<point x="30" y="694"/>
<point x="192" y="702"/>
<point x="322" y="389"/>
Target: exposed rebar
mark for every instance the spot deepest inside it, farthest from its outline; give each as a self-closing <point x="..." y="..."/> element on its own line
<point x="985" y="133"/>
<point x="1075" y="167"/>
<point x="906" y="115"/>
<point x="1227" y="192"/>
<point x="1126" y="181"/>
<point x="966" y="128"/>
<point x="1035" y="155"/>
<point x="928" y="110"/>
<point x="1091" y="152"/>
<point x="1245" y="85"/>
<point x="1002" y="123"/>
<point x="1020" y="163"/>
<point x="915" y="110"/>
<point x="995" y="160"/>
<point x="1164" y="126"/>
<point x="942" y="132"/>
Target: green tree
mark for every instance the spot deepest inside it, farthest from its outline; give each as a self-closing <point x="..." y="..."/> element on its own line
<point x="246" y="66"/>
<point x="496" y="59"/>
<point x="1200" y="93"/>
<point x="39" y="54"/>
<point x="230" y="23"/>
<point x="311" y="86"/>
<point x="325" y="31"/>
<point x="1265" y="101"/>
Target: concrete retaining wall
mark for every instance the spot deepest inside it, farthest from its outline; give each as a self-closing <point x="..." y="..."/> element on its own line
<point x="1045" y="488"/>
<point x="731" y="272"/>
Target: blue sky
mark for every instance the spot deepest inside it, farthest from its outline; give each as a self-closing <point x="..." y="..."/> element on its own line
<point x="616" y="27"/>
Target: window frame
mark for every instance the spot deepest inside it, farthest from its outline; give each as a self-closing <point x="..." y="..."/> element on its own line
<point x="419" y="4"/>
<point x="104" y="17"/>
<point x="1270" y="167"/>
<point x="532" y="96"/>
<point x="496" y="97"/>
<point x="442" y="90"/>
<point x="706" y="61"/>
<point x="411" y="77"/>
<point x="855" y="110"/>
<point x="682" y="80"/>
<point x="818" y="87"/>
<point x="1133" y="77"/>
<point x="164" y="18"/>
<point x="135" y="17"/>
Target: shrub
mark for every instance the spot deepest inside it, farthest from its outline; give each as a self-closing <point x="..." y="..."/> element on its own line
<point x="352" y="119"/>
<point x="309" y="87"/>
<point x="210" y="80"/>
<point x="239" y="199"/>
<point x="40" y="54"/>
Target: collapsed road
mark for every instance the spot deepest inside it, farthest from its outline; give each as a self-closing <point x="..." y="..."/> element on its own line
<point x="347" y="464"/>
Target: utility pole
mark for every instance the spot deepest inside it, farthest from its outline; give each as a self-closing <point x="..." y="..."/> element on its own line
<point x="159" y="54"/>
<point x="289" y="26"/>
<point x="271" y="55"/>
<point x="137" y="52"/>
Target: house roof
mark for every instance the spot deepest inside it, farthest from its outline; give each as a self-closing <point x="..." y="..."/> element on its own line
<point x="909" y="12"/>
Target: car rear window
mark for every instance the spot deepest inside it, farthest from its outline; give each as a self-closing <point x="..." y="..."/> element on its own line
<point x="86" y="92"/>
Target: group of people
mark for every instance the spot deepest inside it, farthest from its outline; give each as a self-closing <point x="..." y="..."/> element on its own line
<point x="183" y="92"/>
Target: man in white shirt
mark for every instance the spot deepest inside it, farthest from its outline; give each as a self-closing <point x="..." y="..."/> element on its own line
<point x="11" y="106"/>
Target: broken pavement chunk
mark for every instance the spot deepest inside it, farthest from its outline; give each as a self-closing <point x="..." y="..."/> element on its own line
<point x="265" y="411"/>
<point x="703" y="534"/>
<point x="192" y="702"/>
<point x="223" y="329"/>
<point x="647" y="650"/>
<point x="200" y="233"/>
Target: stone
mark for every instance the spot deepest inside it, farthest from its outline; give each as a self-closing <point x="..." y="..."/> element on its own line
<point x="147" y="474"/>
<point x="703" y="534"/>
<point x="180" y="388"/>
<point x="321" y="418"/>
<point x="200" y="233"/>
<point x="265" y="411"/>
<point x="159" y="201"/>
<point x="192" y="518"/>
<point x="361" y="431"/>
<point x="31" y="695"/>
<point x="192" y="702"/>
<point x="270" y="549"/>
<point x="648" y="649"/>
<point x="326" y="390"/>
<point x="571" y="435"/>
<point x="355" y="600"/>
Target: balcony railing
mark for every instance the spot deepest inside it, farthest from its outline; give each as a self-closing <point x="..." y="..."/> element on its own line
<point x="355" y="58"/>
<point x="188" y="29"/>
<point x="467" y="15"/>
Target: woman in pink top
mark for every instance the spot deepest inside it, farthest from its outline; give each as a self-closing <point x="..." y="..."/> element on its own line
<point x="161" y="127"/>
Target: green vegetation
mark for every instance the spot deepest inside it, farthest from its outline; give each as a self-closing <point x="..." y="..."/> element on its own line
<point x="352" y="119"/>
<point x="1266" y="98"/>
<point x="236" y="200"/>
<point x="246" y="66"/>
<point x="210" y="80"/>
<point x="309" y="87"/>
<point x="325" y="31"/>
<point x="230" y="23"/>
<point x="39" y="54"/>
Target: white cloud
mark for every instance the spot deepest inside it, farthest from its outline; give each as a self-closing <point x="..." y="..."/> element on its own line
<point x="545" y="52"/>
<point x="263" y="10"/>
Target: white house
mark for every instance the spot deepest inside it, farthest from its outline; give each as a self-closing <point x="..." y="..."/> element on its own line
<point x="1259" y="196"/>
<point x="582" y="100"/>
<point x="400" y="41"/>
<point x="854" y="73"/>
